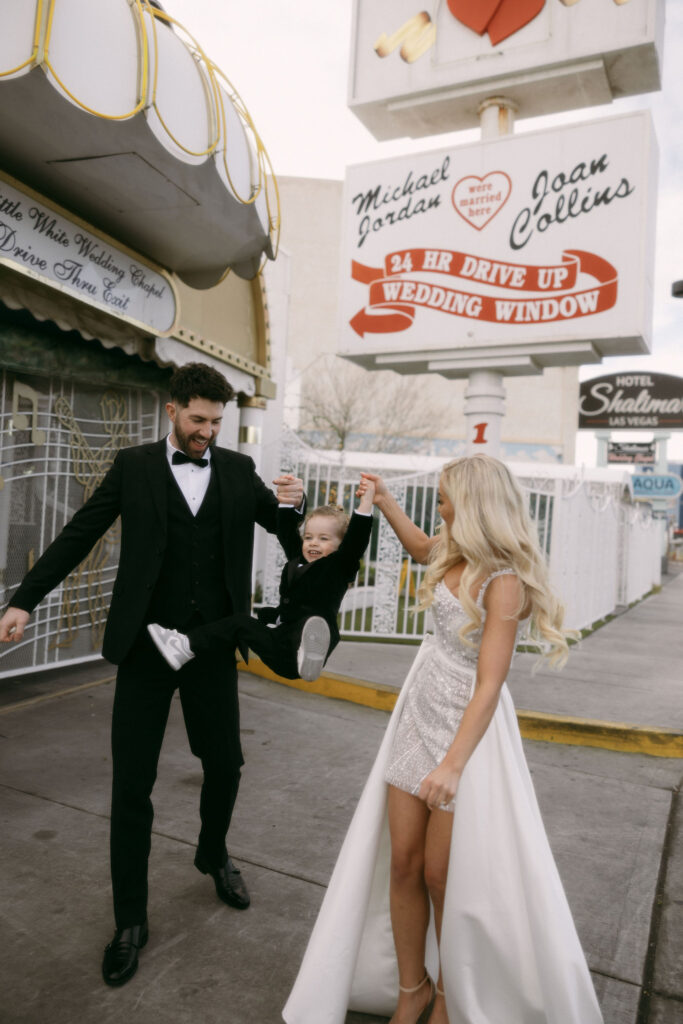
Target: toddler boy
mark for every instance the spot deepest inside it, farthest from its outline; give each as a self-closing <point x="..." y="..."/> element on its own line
<point x="296" y="638"/>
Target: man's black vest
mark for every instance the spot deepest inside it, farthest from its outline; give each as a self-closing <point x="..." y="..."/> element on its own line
<point x="191" y="584"/>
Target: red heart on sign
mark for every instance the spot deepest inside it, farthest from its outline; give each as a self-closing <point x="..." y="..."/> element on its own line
<point x="476" y="14"/>
<point x="502" y="18"/>
<point x="478" y="200"/>
<point x="510" y="16"/>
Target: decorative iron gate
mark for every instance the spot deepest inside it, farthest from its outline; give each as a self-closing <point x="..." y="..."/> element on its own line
<point x="58" y="438"/>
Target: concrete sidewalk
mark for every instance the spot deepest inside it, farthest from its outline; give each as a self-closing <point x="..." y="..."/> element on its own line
<point x="612" y="818"/>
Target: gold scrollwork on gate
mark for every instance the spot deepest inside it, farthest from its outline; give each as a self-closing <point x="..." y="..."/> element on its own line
<point x="89" y="469"/>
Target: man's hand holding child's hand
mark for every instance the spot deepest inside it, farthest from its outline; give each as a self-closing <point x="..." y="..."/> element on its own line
<point x="290" y="489"/>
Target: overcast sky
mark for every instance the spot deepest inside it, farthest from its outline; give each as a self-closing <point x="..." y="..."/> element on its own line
<point x="289" y="62"/>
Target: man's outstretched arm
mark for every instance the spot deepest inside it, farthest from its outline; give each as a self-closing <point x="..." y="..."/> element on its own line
<point x="65" y="552"/>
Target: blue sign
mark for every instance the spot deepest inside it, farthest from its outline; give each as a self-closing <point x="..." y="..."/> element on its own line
<point x="656" y="485"/>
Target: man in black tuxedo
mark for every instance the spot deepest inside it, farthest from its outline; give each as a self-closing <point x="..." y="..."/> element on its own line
<point x="187" y="511"/>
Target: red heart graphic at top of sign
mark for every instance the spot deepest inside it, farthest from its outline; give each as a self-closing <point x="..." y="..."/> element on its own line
<point x="478" y="200"/>
<point x="502" y="18"/>
<point x="476" y="14"/>
<point x="510" y="16"/>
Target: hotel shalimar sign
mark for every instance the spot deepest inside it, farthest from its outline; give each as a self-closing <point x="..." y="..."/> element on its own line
<point x="631" y="401"/>
<point x="525" y="251"/>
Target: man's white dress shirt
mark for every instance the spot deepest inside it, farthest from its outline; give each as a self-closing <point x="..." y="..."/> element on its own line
<point x="192" y="480"/>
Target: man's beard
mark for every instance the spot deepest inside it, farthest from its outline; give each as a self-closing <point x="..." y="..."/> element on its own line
<point x="184" y="440"/>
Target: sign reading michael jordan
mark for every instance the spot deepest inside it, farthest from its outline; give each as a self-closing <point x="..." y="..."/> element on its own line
<point x="44" y="242"/>
<point x="541" y="243"/>
<point x="631" y="401"/>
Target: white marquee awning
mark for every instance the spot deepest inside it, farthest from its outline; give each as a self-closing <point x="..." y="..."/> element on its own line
<point x="115" y="112"/>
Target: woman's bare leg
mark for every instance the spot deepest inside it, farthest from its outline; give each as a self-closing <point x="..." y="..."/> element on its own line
<point x="408" y="821"/>
<point x="437" y="852"/>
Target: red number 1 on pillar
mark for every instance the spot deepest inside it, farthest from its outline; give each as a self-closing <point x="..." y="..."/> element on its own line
<point x="480" y="433"/>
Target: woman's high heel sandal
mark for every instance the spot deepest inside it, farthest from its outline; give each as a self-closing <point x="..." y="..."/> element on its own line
<point x="424" y="1016"/>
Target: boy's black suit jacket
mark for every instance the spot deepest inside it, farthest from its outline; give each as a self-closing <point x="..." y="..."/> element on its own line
<point x="317" y="588"/>
<point x="136" y="489"/>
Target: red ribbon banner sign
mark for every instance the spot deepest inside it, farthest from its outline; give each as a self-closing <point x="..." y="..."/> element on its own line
<point x="393" y="297"/>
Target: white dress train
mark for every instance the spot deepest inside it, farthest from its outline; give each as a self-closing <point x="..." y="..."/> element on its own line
<point x="509" y="949"/>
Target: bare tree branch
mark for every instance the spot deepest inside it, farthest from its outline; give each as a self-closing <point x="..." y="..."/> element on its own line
<point x="341" y="399"/>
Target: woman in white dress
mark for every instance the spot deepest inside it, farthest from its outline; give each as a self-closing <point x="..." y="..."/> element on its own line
<point x="446" y="872"/>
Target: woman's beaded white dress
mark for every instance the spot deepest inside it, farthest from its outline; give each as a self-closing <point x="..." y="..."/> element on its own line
<point x="509" y="949"/>
<point x="439" y="694"/>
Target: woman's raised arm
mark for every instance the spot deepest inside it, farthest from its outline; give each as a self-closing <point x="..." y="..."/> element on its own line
<point x="414" y="540"/>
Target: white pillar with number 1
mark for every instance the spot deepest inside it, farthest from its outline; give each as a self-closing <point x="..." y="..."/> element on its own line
<point x="485" y="394"/>
<point x="484" y="410"/>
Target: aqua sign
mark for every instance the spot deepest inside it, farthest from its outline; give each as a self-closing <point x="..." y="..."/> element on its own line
<point x="656" y="485"/>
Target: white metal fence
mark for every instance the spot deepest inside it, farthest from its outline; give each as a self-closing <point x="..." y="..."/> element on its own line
<point x="640" y="552"/>
<point x="603" y="550"/>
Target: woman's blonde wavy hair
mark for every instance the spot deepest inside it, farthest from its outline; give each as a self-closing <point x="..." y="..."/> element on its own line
<point x="492" y="530"/>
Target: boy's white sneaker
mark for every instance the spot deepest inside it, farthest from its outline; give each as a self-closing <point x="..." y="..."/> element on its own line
<point x="315" y="642"/>
<point x="172" y="645"/>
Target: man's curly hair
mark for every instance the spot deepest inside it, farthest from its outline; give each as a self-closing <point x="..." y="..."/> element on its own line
<point x="197" y="380"/>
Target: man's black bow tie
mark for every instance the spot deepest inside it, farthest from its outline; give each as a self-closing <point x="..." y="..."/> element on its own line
<point x="180" y="457"/>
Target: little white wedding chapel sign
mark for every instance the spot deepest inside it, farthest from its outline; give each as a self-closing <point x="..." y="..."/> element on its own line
<point x="44" y="242"/>
<point x="530" y="250"/>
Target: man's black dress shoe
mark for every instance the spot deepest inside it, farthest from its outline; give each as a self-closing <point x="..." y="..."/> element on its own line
<point x="121" y="955"/>
<point x="230" y="886"/>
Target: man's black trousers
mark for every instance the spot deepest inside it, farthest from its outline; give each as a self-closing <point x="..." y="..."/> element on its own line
<point x="145" y="685"/>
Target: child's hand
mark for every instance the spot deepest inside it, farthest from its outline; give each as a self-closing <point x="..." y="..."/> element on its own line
<point x="366" y="489"/>
<point x="372" y="484"/>
<point x="366" y="493"/>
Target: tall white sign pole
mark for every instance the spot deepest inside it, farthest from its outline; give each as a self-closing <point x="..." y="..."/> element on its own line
<point x="485" y="393"/>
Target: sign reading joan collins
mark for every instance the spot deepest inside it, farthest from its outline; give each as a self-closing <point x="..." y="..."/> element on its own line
<point x="45" y="242"/>
<point x="517" y="253"/>
<point x="631" y="401"/>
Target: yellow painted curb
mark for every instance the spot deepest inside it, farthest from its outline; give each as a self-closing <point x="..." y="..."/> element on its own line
<point x="591" y="732"/>
<point x="330" y="684"/>
<point x="533" y="725"/>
